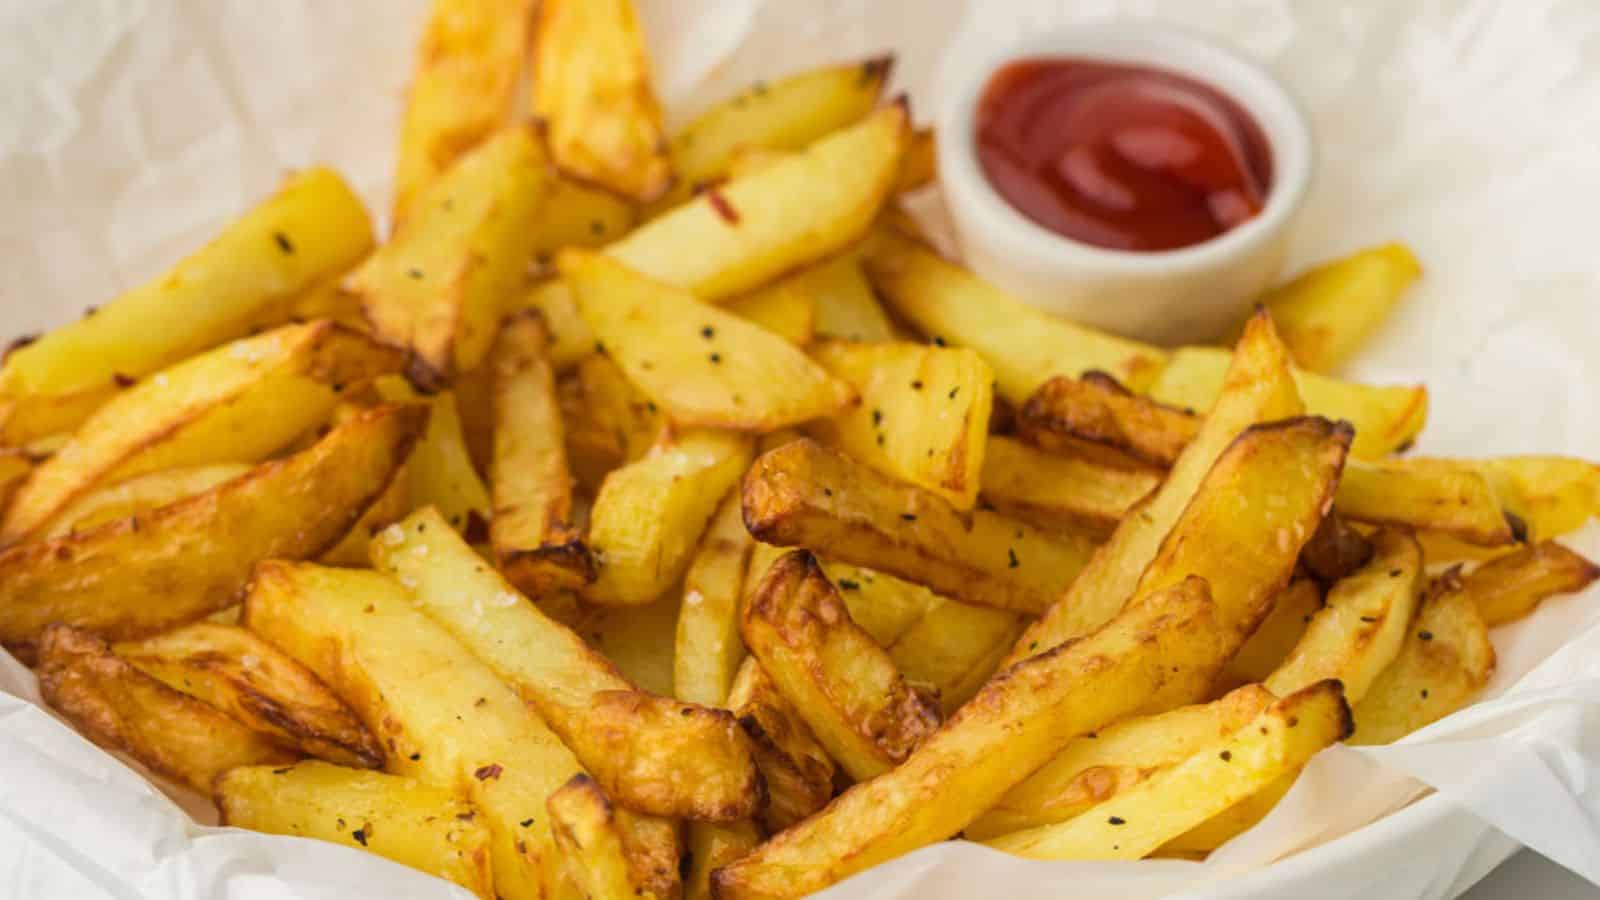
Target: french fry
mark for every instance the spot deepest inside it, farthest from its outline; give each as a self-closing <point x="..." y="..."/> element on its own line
<point x="884" y="606"/>
<point x="650" y="753"/>
<point x="1138" y="821"/>
<point x="577" y="215"/>
<point x="26" y="419"/>
<point x="121" y="708"/>
<point x="1065" y="413"/>
<point x="786" y="312"/>
<point x="1509" y="588"/>
<point x="594" y="850"/>
<point x="650" y="514"/>
<point x="955" y="647"/>
<point x="1416" y="494"/>
<point x="1026" y="347"/>
<point x="708" y="646"/>
<point x="805" y="495"/>
<point x="390" y="507"/>
<point x="846" y="308"/>
<point x="1386" y="418"/>
<point x="639" y="639"/>
<point x="535" y="537"/>
<point x="919" y="166"/>
<point x="570" y="337"/>
<point x="923" y="415"/>
<point x="14" y="468"/>
<point x="463" y="88"/>
<point x="712" y="846"/>
<point x="1325" y="314"/>
<point x="139" y="494"/>
<point x="1169" y="646"/>
<point x="1549" y="495"/>
<point x="1058" y="491"/>
<point x="1445" y="660"/>
<point x="844" y="685"/>
<point x="143" y="575"/>
<point x="427" y="827"/>
<point x="1277" y="635"/>
<point x="313" y="227"/>
<point x="1258" y="388"/>
<point x="741" y="235"/>
<point x="440" y="473"/>
<point x="237" y="403"/>
<point x="608" y="421"/>
<point x="704" y="366"/>
<point x="798" y="772"/>
<point x="786" y="114"/>
<point x="438" y="286"/>
<point x="592" y="91"/>
<point x="1096" y="767"/>
<point x="258" y="686"/>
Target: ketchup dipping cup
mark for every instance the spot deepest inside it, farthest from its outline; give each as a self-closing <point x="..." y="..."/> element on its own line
<point x="1188" y="294"/>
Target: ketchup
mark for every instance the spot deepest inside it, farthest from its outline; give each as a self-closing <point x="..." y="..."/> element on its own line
<point x="1121" y="156"/>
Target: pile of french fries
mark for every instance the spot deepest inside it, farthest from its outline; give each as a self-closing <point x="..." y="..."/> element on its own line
<point x="656" y="514"/>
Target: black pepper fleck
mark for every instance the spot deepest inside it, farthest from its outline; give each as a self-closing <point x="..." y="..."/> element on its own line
<point x="284" y="243"/>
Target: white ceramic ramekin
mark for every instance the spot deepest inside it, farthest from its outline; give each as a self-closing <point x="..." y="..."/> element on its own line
<point x="1177" y="296"/>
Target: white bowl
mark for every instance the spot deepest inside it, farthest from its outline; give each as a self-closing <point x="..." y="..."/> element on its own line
<point x="1186" y="295"/>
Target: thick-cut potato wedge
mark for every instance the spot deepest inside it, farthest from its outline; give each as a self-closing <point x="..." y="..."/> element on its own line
<point x="440" y="472"/>
<point x="1091" y="769"/>
<point x="570" y="337"/>
<point x="786" y="114"/>
<point x="1415" y="493"/>
<point x="442" y="716"/>
<point x="805" y="495"/>
<point x="535" y="537"/>
<point x="1277" y="635"/>
<point x="1386" y="418"/>
<point x="1065" y="413"/>
<point x="1548" y="495"/>
<point x="463" y="89"/>
<point x="1506" y="589"/>
<point x="649" y="515"/>
<point x="712" y="846"/>
<point x="783" y="310"/>
<point x="237" y="403"/>
<point x="607" y="421"/>
<point x="577" y="215"/>
<point x="1057" y="491"/>
<point x="427" y="827"/>
<point x="1170" y="646"/>
<point x="27" y="419"/>
<point x="923" y="415"/>
<point x="1360" y="630"/>
<point x="592" y="92"/>
<point x="703" y="365"/>
<point x="1026" y="347"/>
<point x="595" y="850"/>
<point x="313" y="227"/>
<point x="650" y="753"/>
<point x="1258" y="388"/>
<point x="738" y="236"/>
<point x="256" y="684"/>
<point x="142" y="575"/>
<point x="121" y="708"/>
<point x="1324" y="314"/>
<point x="846" y="307"/>
<point x="708" y="648"/>
<point x="1445" y="660"/>
<point x="954" y="648"/>
<point x="843" y="684"/>
<point x="798" y="772"/>
<point x="437" y="288"/>
<point x="1138" y="821"/>
<point x="884" y="606"/>
<point x="139" y="494"/>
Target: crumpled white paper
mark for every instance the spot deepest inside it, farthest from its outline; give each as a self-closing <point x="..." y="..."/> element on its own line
<point x="131" y="129"/>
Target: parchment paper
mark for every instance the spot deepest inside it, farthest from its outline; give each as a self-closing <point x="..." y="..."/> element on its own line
<point x="131" y="129"/>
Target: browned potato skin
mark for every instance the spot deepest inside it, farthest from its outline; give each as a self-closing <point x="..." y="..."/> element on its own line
<point x="1097" y="410"/>
<point x="1511" y="587"/>
<point x="1335" y="550"/>
<point x="259" y="686"/>
<point x="139" y="576"/>
<point x="798" y="772"/>
<point x="600" y="857"/>
<point x="121" y="708"/>
<point x="805" y="495"/>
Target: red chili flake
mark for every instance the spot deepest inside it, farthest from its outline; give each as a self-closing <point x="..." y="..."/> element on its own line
<point x="123" y="380"/>
<point x="484" y="773"/>
<point x="722" y="206"/>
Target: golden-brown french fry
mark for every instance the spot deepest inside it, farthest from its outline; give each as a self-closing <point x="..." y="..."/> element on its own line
<point x="139" y="494"/>
<point x="738" y="236"/>
<point x="313" y="227"/>
<point x="1325" y="313"/>
<point x="1022" y="717"/>
<point x="1096" y="767"/>
<point x="121" y="708"/>
<point x="440" y="472"/>
<point x="783" y="310"/>
<point x="786" y="114"/>
<point x="1445" y="660"/>
<point x="463" y="88"/>
<point x="1065" y="413"/>
<point x="1026" y="347"/>
<point x="1548" y="495"/>
<point x="142" y="575"/>
<point x="1275" y="638"/>
<point x="608" y="421"/>
<point x="1061" y="491"/>
<point x="712" y="846"/>
<point x="805" y="495"/>
<point x="1506" y="589"/>
<point x="638" y="639"/>
<point x="1258" y="388"/>
<point x="259" y="687"/>
<point x="437" y="288"/>
<point x="708" y="646"/>
<point x="920" y="163"/>
<point x="844" y="685"/>
<point x="703" y="365"/>
<point x="427" y="827"/>
<point x="570" y="337"/>
<point x="238" y="403"/>
<point x="577" y="215"/>
<point x="26" y="419"/>
<point x="535" y="537"/>
<point x="923" y="415"/>
<point x="798" y="772"/>
<point x="884" y="606"/>
<point x="955" y="647"/>
<point x="390" y="507"/>
<point x="1415" y="493"/>
<point x="14" y="467"/>
<point x="846" y="307"/>
<point x="592" y="91"/>
<point x="594" y="848"/>
<point x="1138" y="821"/>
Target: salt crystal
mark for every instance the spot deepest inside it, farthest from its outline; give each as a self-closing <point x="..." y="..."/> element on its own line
<point x="393" y="535"/>
<point x="693" y="598"/>
<point x="506" y="598"/>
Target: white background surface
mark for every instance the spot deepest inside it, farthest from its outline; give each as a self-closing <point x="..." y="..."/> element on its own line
<point x="1528" y="876"/>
